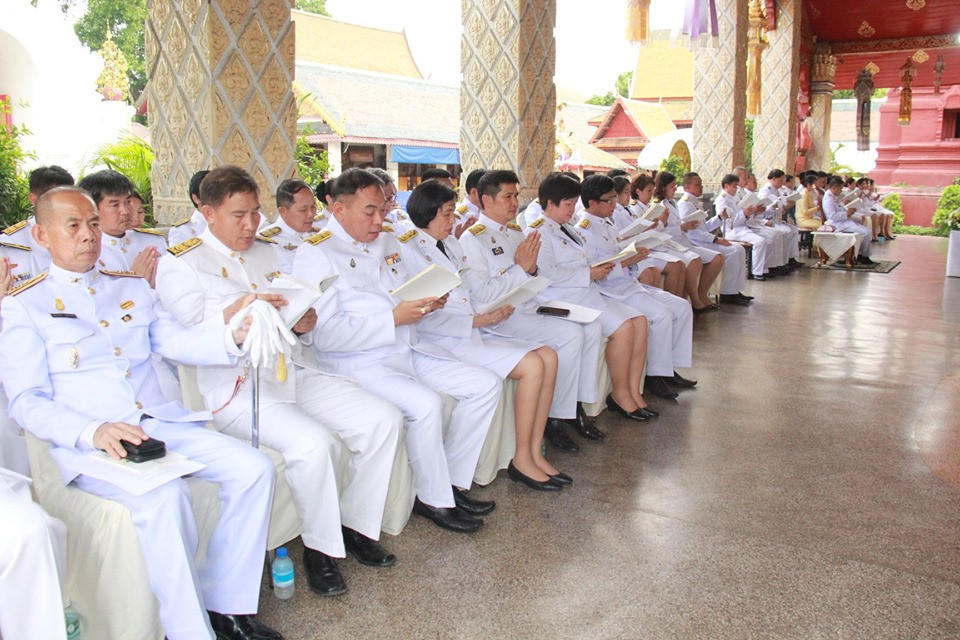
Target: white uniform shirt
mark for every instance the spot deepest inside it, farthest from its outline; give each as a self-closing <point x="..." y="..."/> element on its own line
<point x="563" y="261"/>
<point x="21" y="256"/>
<point x="186" y="229"/>
<point x="700" y="234"/>
<point x="20" y="233"/>
<point x="490" y="248"/>
<point x="287" y="240"/>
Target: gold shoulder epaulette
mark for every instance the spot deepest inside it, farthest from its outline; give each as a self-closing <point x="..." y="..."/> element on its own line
<point x="477" y="229"/>
<point x="12" y="229"/>
<point x="584" y="224"/>
<point x="14" y="245"/>
<point x="405" y="238"/>
<point x="262" y="238"/>
<point x="120" y="274"/>
<point x="180" y="223"/>
<point x="319" y="217"/>
<point x="270" y="232"/>
<point x="514" y="226"/>
<point x="462" y="208"/>
<point x="320" y="237"/>
<point x="187" y="245"/>
<point x="153" y="232"/>
<point x="536" y="223"/>
<point x="386" y="228"/>
<point x="26" y="285"/>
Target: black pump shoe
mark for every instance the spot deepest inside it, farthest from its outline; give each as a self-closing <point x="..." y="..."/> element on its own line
<point x="620" y="411"/>
<point x="517" y="476"/>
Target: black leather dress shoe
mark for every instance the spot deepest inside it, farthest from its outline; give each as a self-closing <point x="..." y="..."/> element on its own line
<point x="745" y="297"/>
<point x="620" y="411"/>
<point x="367" y="550"/>
<point x="556" y="435"/>
<point x="645" y="413"/>
<point x="240" y="627"/>
<point x="561" y="479"/>
<point x="451" y="518"/>
<point x="582" y="416"/>
<point x="323" y="574"/>
<point x="472" y="506"/>
<point x="679" y="381"/>
<point x="733" y="298"/>
<point x="588" y="431"/>
<point x="517" y="476"/>
<point x="796" y="264"/>
<point x="658" y="387"/>
<point x="760" y="278"/>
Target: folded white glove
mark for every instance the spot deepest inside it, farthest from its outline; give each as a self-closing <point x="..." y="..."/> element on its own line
<point x="268" y="333"/>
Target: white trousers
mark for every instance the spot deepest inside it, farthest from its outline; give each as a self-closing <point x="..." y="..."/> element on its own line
<point x="440" y="461"/>
<point x="669" y="329"/>
<point x="791" y="235"/>
<point x="228" y="577"/>
<point x="575" y="345"/>
<point x="734" y="267"/>
<point x="760" y="260"/>
<point x="369" y="428"/>
<point x="33" y="552"/>
<point x="775" y="245"/>
<point x="865" y="233"/>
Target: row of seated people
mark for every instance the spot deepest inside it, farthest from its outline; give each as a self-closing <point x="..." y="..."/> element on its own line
<point x="84" y="337"/>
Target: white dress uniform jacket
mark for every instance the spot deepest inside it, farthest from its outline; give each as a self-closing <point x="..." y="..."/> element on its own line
<point x="287" y="240"/>
<point x="296" y="414"/>
<point x="788" y="232"/>
<point x="356" y="336"/>
<point x="490" y="248"/>
<point x="837" y="215"/>
<point x="735" y="257"/>
<point x="188" y="228"/>
<point x="673" y="228"/>
<point x="20" y="234"/>
<point x="75" y="353"/>
<point x="735" y="228"/>
<point x="669" y="317"/>
<point x="758" y="224"/>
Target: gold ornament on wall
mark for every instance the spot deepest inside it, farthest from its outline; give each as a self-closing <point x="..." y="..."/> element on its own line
<point x="866" y="30"/>
<point x="872" y="68"/>
<point x="920" y="56"/>
<point x="916" y="5"/>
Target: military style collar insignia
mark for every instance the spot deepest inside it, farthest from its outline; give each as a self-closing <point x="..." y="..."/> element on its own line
<point x="477" y="229"/>
<point x="514" y="226"/>
<point x="26" y="285"/>
<point x="320" y="237"/>
<point x="120" y="274"/>
<point x="187" y="245"/>
<point x="269" y="233"/>
<point x="319" y="217"/>
<point x="262" y="238"/>
<point x="290" y="247"/>
<point x="153" y="232"/>
<point x="14" y="245"/>
<point x="536" y="223"/>
<point x="386" y="228"/>
<point x="180" y="223"/>
<point x="9" y="231"/>
<point x="406" y="237"/>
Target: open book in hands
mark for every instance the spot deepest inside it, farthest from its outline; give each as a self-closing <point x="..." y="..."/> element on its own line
<point x="794" y="197"/>
<point x="517" y="296"/>
<point x="629" y="251"/>
<point x="749" y="201"/>
<point x="654" y="211"/>
<point x="432" y="282"/>
<point x="853" y="204"/>
<point x="637" y="226"/>
<point x="695" y="216"/>
<point x="648" y="240"/>
<point x="299" y="294"/>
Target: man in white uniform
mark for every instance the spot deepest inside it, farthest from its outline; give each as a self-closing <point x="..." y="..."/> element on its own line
<point x="75" y="356"/>
<point x="296" y="220"/>
<point x="200" y="281"/>
<point x="775" y="214"/>
<point x="362" y="332"/>
<point x="736" y="226"/>
<point x="194" y="225"/>
<point x="41" y="179"/>
<point x="470" y="207"/>
<point x="841" y="218"/>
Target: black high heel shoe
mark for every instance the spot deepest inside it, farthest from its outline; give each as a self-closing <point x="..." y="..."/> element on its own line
<point x="620" y="411"/>
<point x="561" y="479"/>
<point x="646" y="412"/>
<point x="517" y="476"/>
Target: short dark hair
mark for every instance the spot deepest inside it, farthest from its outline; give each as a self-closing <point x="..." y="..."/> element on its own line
<point x="322" y="190"/>
<point x="862" y="181"/>
<point x="689" y="176"/>
<point x="613" y="173"/>
<point x="384" y="176"/>
<point x="664" y="178"/>
<point x="592" y="188"/>
<point x="492" y="181"/>
<point x="620" y="183"/>
<point x="431" y="174"/>
<point x="194" y="188"/>
<point x="556" y="187"/>
<point x="639" y="183"/>
<point x="223" y="182"/>
<point x="835" y="181"/>
<point x="106" y="183"/>
<point x="287" y="189"/>
<point x="426" y="200"/>
<point x="473" y="179"/>
<point x="351" y="181"/>
<point x="776" y="173"/>
<point x="730" y="178"/>
<point x="46" y="178"/>
<point x="810" y="178"/>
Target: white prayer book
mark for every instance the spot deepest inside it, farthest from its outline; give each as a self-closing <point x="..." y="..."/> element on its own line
<point x="666" y="257"/>
<point x="853" y="204"/>
<point x="794" y="197"/>
<point x="648" y="239"/>
<point x="850" y="197"/>
<point x="432" y="282"/>
<point x="516" y="297"/>
<point x="578" y="314"/>
<point x="635" y="227"/>
<point x="766" y="202"/>
<point x="749" y="201"/>
<point x="627" y="252"/>
<point x="654" y="211"/>
<point x="300" y="295"/>
<point x="136" y="478"/>
<point x="695" y="216"/>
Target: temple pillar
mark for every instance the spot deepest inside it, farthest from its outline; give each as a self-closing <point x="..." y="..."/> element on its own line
<point x="821" y="105"/>
<point x="775" y="127"/>
<point x="719" y="108"/>
<point x="220" y="92"/>
<point x="507" y="96"/>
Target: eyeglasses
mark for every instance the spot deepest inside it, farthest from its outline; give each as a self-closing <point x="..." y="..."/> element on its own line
<point x="609" y="200"/>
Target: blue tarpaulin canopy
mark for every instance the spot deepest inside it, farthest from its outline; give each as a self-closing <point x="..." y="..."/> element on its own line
<point x="424" y="155"/>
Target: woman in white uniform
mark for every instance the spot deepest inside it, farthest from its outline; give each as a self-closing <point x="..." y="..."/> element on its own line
<point x="457" y="327"/>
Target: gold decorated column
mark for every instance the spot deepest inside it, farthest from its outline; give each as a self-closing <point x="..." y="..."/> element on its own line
<point x="507" y="96"/>
<point x="719" y="107"/>
<point x="823" y="71"/>
<point x="755" y="46"/>
<point x="775" y="127"/>
<point x="219" y="92"/>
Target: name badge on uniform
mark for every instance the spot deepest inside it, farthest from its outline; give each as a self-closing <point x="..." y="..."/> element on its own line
<point x="497" y="251"/>
<point x="63" y="315"/>
<point x="392" y="259"/>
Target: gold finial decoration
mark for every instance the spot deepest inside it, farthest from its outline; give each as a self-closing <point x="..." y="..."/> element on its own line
<point x="113" y="83"/>
<point x="638" y="20"/>
<point x="866" y="30"/>
<point x="920" y="56"/>
<point x="907" y="74"/>
<point x="872" y="68"/>
<point x="916" y="5"/>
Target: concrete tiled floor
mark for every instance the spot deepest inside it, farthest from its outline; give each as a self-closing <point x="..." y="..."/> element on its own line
<point x="808" y="488"/>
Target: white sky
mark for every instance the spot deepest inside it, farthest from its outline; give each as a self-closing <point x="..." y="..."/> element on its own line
<point x="591" y="48"/>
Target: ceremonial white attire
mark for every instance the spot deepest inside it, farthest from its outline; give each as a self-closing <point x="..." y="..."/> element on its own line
<point x="118" y="253"/>
<point x="489" y="248"/>
<point x="788" y="232"/>
<point x="531" y="213"/>
<point x="673" y="228"/>
<point x="33" y="555"/>
<point x="20" y="233"/>
<point x="452" y="326"/>
<point x="669" y="317"/>
<point x="735" y="256"/>
<point x="757" y="224"/>
<point x="75" y="353"/>
<point x="737" y="229"/>
<point x="836" y="213"/>
<point x="356" y="336"/>
<point x="296" y="414"/>
<point x="287" y="239"/>
<point x="563" y="261"/>
<point x="670" y="251"/>
<point x="186" y="229"/>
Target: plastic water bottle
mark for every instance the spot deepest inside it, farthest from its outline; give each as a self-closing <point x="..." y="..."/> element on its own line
<point x="283" y="586"/>
<point x="72" y="621"/>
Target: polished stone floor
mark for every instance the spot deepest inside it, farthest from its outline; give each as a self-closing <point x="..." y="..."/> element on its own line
<point x="808" y="488"/>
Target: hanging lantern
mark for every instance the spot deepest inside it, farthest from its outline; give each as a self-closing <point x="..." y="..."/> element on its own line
<point x="938" y="68"/>
<point x="756" y="44"/>
<point x="700" y="22"/>
<point x="907" y="74"/>
<point x="863" y="90"/>
<point x="638" y="21"/>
